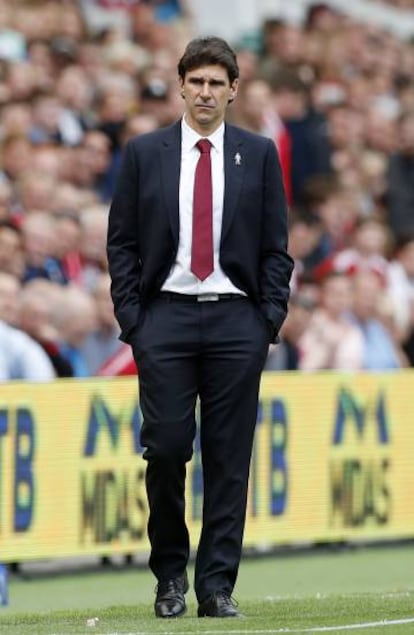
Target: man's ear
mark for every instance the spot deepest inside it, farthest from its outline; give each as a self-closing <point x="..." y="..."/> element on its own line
<point x="233" y="90"/>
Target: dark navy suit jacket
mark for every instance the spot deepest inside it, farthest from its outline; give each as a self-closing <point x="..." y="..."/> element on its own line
<point x="144" y="223"/>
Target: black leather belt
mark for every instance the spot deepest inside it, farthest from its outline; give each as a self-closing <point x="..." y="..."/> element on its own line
<point x="202" y="297"/>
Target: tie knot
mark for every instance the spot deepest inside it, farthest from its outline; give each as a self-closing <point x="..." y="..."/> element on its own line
<point x="204" y="145"/>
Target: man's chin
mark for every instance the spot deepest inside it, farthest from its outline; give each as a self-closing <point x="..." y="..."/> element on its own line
<point x="205" y="116"/>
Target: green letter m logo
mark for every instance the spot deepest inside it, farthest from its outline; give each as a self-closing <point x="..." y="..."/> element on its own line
<point x="348" y="409"/>
<point x="102" y="420"/>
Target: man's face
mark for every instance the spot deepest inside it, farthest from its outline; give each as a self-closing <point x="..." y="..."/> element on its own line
<point x="207" y="91"/>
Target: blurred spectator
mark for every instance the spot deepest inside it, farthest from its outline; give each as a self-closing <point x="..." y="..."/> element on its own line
<point x="40" y="56"/>
<point x="345" y="126"/>
<point x="380" y="351"/>
<point x="76" y="95"/>
<point x="47" y="111"/>
<point x="322" y="17"/>
<point x="70" y="197"/>
<point x="325" y="197"/>
<point x="100" y="15"/>
<point x="305" y="236"/>
<point x="67" y="247"/>
<point x="21" y="357"/>
<point x="64" y="51"/>
<point x="35" y="190"/>
<point x="9" y="299"/>
<point x="97" y="146"/>
<point x="16" y="156"/>
<point x="103" y="343"/>
<point x="123" y="56"/>
<point x="6" y="195"/>
<point x="248" y="61"/>
<point x="400" y="178"/>
<point x="166" y="10"/>
<point x="12" y="45"/>
<point x="370" y="246"/>
<point x="286" y="355"/>
<point x="253" y="101"/>
<point x="49" y="160"/>
<point x="405" y="90"/>
<point x="39" y="239"/>
<point x="400" y="283"/>
<point x="310" y="149"/>
<point x="76" y="320"/>
<point x="283" y="47"/>
<point x="147" y="31"/>
<point x="139" y="124"/>
<point x="380" y="130"/>
<point x="37" y="304"/>
<point x="11" y="250"/>
<point x="92" y="165"/>
<point x="331" y="341"/>
<point x="20" y="80"/>
<point x="154" y="100"/>
<point x="255" y="111"/>
<point x="372" y="183"/>
<point x="15" y="119"/>
<point x="116" y="100"/>
<point x="94" y="226"/>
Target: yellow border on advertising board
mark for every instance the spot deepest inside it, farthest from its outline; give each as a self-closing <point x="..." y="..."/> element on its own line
<point x="332" y="461"/>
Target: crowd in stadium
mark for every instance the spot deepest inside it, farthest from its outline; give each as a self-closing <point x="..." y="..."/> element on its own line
<point x="78" y="79"/>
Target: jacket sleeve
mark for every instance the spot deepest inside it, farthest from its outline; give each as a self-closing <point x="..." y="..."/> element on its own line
<point x="276" y="265"/>
<point x="122" y="245"/>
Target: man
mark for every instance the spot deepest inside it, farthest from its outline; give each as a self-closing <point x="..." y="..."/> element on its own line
<point x="102" y="344"/>
<point x="400" y="178"/>
<point x="199" y="313"/>
<point x="20" y="356"/>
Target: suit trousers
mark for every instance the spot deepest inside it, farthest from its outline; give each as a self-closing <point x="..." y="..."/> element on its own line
<point x="214" y="351"/>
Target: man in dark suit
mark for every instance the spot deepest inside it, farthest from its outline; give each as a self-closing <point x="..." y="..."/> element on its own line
<point x="200" y="281"/>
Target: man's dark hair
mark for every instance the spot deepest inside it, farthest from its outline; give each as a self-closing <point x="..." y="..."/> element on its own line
<point x="204" y="51"/>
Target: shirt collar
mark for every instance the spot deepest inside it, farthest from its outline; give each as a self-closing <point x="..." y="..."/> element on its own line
<point x="190" y="137"/>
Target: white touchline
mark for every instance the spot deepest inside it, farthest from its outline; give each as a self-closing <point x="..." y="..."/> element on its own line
<point x="314" y="629"/>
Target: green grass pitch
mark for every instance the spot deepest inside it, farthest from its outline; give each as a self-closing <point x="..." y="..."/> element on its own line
<point x="363" y="590"/>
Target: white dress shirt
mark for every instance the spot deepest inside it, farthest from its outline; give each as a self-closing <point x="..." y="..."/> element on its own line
<point x="181" y="279"/>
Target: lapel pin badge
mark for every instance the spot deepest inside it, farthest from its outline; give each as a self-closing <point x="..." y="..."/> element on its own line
<point x="237" y="159"/>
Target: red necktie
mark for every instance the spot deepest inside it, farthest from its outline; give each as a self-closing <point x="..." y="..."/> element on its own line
<point x="202" y="242"/>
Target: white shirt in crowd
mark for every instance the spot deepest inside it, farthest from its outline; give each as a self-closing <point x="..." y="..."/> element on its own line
<point x="21" y="357"/>
<point x="181" y="279"/>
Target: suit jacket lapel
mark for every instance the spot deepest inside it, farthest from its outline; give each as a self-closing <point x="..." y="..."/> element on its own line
<point x="170" y="161"/>
<point x="233" y="175"/>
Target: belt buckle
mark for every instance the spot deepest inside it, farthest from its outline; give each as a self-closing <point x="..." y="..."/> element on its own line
<point x="208" y="297"/>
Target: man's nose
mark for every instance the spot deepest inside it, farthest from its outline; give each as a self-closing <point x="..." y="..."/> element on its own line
<point x="205" y="91"/>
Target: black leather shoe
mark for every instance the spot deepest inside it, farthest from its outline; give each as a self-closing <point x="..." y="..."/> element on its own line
<point x="219" y="604"/>
<point x="170" y="600"/>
